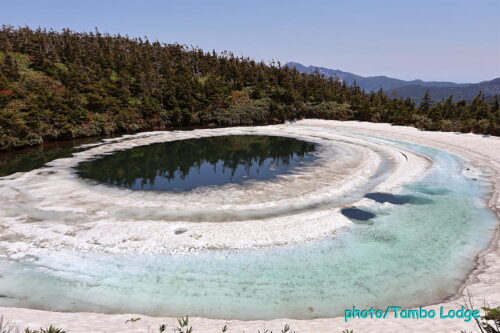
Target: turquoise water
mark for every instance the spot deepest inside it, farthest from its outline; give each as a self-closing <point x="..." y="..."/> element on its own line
<point x="412" y="254"/>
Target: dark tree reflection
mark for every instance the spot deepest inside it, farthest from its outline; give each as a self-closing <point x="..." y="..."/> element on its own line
<point x="33" y="158"/>
<point x="186" y="164"/>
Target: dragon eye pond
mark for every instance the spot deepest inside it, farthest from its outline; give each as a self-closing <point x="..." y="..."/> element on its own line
<point x="299" y="221"/>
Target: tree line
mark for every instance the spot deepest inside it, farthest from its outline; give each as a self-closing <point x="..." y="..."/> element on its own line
<point x="61" y="85"/>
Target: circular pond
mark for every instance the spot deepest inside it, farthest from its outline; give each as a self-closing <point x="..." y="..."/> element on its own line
<point x="187" y="164"/>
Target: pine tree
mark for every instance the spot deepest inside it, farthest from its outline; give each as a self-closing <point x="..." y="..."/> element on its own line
<point x="426" y="103"/>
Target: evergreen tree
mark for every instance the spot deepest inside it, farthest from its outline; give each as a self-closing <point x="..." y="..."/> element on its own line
<point x="426" y="103"/>
<point x="58" y="85"/>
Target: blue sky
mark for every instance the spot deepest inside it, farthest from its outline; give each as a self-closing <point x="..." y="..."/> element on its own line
<point x="452" y="40"/>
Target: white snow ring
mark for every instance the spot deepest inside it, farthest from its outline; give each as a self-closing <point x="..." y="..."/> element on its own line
<point x="53" y="208"/>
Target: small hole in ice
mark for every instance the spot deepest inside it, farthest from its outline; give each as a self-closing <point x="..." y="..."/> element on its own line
<point x="179" y="231"/>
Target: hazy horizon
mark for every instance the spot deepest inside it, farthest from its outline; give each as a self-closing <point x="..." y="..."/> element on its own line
<point x="443" y="40"/>
<point x="378" y="75"/>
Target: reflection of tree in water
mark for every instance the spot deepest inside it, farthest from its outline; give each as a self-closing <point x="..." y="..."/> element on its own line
<point x="33" y="158"/>
<point x="176" y="159"/>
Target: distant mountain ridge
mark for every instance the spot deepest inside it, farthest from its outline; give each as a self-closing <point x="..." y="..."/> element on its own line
<point x="468" y="92"/>
<point x="414" y="89"/>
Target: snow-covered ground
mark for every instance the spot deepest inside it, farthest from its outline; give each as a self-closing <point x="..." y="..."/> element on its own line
<point x="80" y="217"/>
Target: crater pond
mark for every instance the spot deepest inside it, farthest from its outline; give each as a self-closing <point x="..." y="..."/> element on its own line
<point x="187" y="164"/>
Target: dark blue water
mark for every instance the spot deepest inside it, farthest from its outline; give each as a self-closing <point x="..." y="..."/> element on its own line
<point x="357" y="214"/>
<point x="187" y="164"/>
